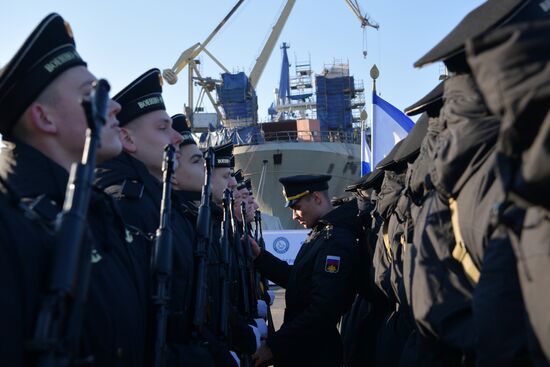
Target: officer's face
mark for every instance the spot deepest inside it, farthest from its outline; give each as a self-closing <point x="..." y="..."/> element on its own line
<point x="190" y="173"/>
<point x="146" y="136"/>
<point x="305" y="211"/>
<point x="220" y="176"/>
<point x="65" y="111"/>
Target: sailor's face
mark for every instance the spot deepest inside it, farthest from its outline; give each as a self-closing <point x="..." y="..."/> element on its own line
<point x="250" y="208"/>
<point x="219" y="183"/>
<point x="190" y="173"/>
<point x="232" y="183"/>
<point x="146" y="136"/>
<point x="65" y="110"/>
<point x="240" y="196"/>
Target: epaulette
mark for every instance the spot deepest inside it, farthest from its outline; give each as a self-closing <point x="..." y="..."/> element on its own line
<point x="326" y="228"/>
<point x="132" y="189"/>
<point x="41" y="210"/>
<point x="45" y="207"/>
<point x="328" y="231"/>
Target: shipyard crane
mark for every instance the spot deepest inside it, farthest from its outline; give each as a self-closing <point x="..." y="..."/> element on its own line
<point x="363" y="19"/>
<point x="262" y="60"/>
<point x="187" y="58"/>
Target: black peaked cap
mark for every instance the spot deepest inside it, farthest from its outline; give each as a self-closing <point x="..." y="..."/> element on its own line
<point x="224" y="156"/>
<point x="431" y="102"/>
<point x="296" y="187"/>
<point x="410" y="147"/>
<point x="388" y="163"/>
<point x="179" y="123"/>
<point x="46" y="53"/>
<point x="140" y="97"/>
<point x="488" y="16"/>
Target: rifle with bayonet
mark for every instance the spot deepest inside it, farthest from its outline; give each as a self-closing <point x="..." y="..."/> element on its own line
<point x="59" y="323"/>
<point x="162" y="259"/>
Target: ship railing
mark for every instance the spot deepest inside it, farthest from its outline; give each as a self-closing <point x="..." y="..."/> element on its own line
<point x="332" y="136"/>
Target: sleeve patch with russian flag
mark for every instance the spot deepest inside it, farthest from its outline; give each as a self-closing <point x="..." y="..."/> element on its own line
<point x="332" y="264"/>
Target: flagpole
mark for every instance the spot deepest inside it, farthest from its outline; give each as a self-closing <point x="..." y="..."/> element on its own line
<point x="374" y="74"/>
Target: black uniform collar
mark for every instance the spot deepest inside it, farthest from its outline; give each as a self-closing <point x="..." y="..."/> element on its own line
<point x="34" y="174"/>
<point x="190" y="195"/>
<point x="125" y="167"/>
<point x="343" y="216"/>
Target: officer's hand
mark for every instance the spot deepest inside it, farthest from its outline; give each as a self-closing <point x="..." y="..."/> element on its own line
<point x="253" y="246"/>
<point x="263" y="354"/>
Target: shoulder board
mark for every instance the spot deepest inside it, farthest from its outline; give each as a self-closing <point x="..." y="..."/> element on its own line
<point x="44" y="207"/>
<point x="328" y="229"/>
<point x="132" y="189"/>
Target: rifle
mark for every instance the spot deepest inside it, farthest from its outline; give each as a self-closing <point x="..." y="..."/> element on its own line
<point x="238" y="247"/>
<point x="254" y="280"/>
<point x="264" y="284"/>
<point x="225" y="277"/>
<point x="201" y="246"/>
<point x="162" y="258"/>
<point x="246" y="360"/>
<point x="59" y="322"/>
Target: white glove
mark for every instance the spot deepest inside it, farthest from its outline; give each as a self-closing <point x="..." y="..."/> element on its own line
<point x="236" y="358"/>
<point x="271" y="295"/>
<point x="257" y="335"/>
<point x="262" y="327"/>
<point x="262" y="309"/>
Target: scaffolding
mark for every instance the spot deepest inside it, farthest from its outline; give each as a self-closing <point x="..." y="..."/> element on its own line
<point x="339" y="98"/>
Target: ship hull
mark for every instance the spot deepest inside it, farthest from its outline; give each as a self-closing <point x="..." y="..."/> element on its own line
<point x="264" y="164"/>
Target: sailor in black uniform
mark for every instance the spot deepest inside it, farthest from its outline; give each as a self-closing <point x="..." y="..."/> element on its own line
<point x="44" y="125"/>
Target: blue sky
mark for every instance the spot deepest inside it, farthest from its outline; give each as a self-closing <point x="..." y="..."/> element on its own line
<point x="120" y="39"/>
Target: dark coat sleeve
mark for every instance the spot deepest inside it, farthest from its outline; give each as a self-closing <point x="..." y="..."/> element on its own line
<point x="11" y="307"/>
<point x="331" y="295"/>
<point x="278" y="271"/>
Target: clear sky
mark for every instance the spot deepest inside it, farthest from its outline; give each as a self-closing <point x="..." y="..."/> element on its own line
<point x="120" y="39"/>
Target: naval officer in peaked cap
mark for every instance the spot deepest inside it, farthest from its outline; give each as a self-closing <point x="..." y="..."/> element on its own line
<point x="321" y="284"/>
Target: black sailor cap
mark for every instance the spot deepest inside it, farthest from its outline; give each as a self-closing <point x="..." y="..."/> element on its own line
<point x="238" y="174"/>
<point x="388" y="163"/>
<point x="224" y="156"/>
<point x="179" y="123"/>
<point x="369" y="180"/>
<point x="297" y="187"/>
<point x="430" y="103"/>
<point x="410" y="147"/>
<point x="140" y="97"/>
<point x="46" y="53"/>
<point x="488" y="16"/>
